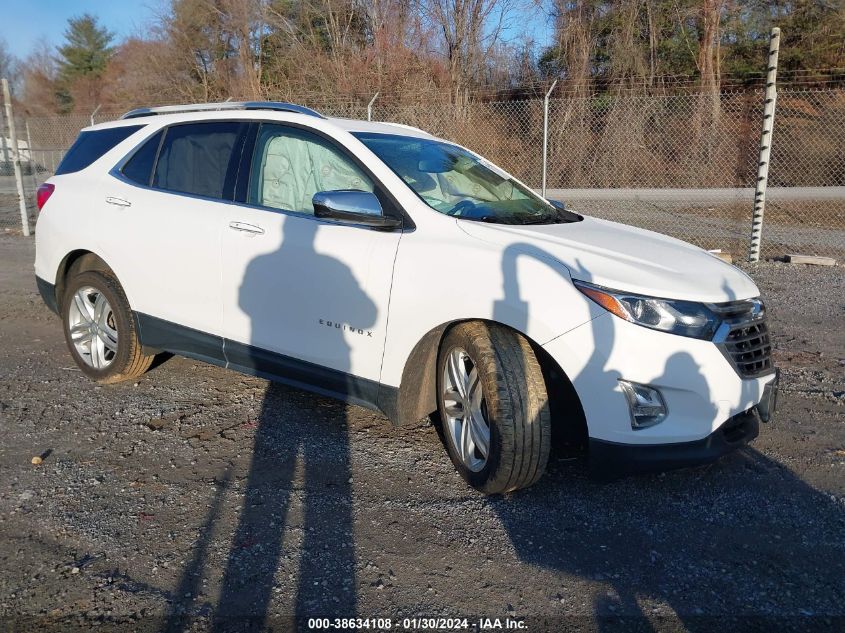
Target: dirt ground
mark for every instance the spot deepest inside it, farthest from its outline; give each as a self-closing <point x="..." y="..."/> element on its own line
<point x="198" y="498"/>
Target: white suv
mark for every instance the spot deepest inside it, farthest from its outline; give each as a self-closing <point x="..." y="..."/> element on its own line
<point x="381" y="265"/>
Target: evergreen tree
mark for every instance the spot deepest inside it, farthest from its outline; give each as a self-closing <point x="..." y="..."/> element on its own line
<point x="84" y="56"/>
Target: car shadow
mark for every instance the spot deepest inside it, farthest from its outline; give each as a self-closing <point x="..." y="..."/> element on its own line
<point x="743" y="565"/>
<point x="758" y="528"/>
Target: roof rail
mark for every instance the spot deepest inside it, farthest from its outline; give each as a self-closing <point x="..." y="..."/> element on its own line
<point x="278" y="106"/>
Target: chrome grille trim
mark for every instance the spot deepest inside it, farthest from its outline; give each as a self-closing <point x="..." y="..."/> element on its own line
<point x="743" y="337"/>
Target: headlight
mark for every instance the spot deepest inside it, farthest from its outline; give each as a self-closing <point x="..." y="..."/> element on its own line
<point x="686" y="318"/>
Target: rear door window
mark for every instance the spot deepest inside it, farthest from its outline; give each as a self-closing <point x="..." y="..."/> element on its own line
<point x="139" y="168"/>
<point x="89" y="146"/>
<point x="200" y="158"/>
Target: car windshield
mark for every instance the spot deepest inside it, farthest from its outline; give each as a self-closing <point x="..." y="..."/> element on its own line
<point x="456" y="182"/>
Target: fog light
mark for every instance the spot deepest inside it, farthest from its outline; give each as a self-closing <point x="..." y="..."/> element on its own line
<point x="645" y="403"/>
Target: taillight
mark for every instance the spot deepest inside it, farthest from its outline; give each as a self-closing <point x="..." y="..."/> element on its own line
<point x="43" y="194"/>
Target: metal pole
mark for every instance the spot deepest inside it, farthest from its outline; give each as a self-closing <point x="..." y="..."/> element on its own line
<point x="97" y="109"/>
<point x="370" y="107"/>
<point x="765" y="147"/>
<point x="3" y="144"/>
<point x="31" y="156"/>
<point x="546" y="134"/>
<point x="16" y="159"/>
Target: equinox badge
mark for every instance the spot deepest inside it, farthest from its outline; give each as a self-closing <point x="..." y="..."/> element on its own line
<point x="346" y="328"/>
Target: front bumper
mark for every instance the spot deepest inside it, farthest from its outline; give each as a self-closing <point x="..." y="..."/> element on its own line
<point x="701" y="389"/>
<point x="611" y="459"/>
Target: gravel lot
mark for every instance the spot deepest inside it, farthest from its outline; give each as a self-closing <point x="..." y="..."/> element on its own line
<point x="198" y="497"/>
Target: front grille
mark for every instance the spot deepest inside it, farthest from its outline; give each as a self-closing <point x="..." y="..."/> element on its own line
<point x="749" y="349"/>
<point x="744" y="337"/>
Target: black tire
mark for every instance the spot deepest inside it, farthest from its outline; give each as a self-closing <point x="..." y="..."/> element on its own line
<point x="517" y="407"/>
<point x="130" y="359"/>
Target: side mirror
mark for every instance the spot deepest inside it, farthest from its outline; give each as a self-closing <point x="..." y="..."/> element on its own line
<point x="353" y="207"/>
<point x="558" y="204"/>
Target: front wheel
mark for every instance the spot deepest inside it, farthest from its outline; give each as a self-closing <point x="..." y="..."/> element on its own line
<point x="99" y="329"/>
<point x="493" y="406"/>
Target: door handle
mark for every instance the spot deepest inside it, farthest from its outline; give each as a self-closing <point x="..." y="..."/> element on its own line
<point x="246" y="228"/>
<point x="118" y="202"/>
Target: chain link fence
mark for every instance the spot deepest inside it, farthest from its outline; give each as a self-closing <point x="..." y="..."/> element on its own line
<point x="681" y="164"/>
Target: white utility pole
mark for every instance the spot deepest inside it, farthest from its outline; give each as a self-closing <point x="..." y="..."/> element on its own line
<point x="765" y="147"/>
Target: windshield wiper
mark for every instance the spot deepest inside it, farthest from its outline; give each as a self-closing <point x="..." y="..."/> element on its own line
<point x="544" y="219"/>
<point x="490" y="219"/>
<point x="560" y="216"/>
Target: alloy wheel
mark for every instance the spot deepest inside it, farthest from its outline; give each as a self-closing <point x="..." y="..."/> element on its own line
<point x="92" y="326"/>
<point x="465" y="408"/>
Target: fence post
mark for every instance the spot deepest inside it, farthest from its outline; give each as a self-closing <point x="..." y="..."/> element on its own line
<point x="16" y="158"/>
<point x="94" y="113"/>
<point x="31" y="156"/>
<point x="546" y="134"/>
<point x="370" y="107"/>
<point x="765" y="147"/>
<point x="4" y="147"/>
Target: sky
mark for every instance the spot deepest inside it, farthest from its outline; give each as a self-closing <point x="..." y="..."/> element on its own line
<point x="24" y="22"/>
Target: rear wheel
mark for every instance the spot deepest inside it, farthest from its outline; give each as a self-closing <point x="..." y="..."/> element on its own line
<point x="99" y="328"/>
<point x="493" y="407"/>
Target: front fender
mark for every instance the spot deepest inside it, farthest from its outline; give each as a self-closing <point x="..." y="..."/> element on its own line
<point x="519" y="286"/>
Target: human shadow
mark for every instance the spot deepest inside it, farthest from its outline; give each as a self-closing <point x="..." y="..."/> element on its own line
<point x="183" y="605"/>
<point x="743" y="543"/>
<point x="295" y="433"/>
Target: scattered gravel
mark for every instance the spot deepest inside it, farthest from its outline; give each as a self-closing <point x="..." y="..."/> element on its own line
<point x="196" y="496"/>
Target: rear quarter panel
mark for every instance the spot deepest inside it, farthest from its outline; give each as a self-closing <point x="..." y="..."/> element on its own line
<point x="67" y="223"/>
<point x="74" y="218"/>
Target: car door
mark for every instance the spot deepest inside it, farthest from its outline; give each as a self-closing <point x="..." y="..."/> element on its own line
<point x="169" y="200"/>
<point x="304" y="298"/>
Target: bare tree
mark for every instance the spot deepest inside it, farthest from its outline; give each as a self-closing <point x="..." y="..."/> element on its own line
<point x="246" y="20"/>
<point x="9" y="64"/>
<point x="470" y="30"/>
<point x="576" y="42"/>
<point x="39" y="81"/>
<point x="709" y="43"/>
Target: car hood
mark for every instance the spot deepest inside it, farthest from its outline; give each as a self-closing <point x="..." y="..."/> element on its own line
<point x="625" y="258"/>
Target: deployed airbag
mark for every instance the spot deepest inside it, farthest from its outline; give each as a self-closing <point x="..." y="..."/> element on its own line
<point x="294" y="169"/>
